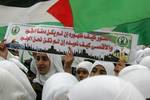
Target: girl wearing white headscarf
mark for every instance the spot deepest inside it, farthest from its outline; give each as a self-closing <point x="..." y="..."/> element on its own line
<point x="102" y="68"/>
<point x="57" y="86"/>
<point x="47" y="65"/>
<point x="20" y="76"/>
<point x="104" y="88"/>
<point x="55" y="66"/>
<point x="11" y="88"/>
<point x="138" y="75"/>
<point x="145" y="61"/>
<point x="83" y="70"/>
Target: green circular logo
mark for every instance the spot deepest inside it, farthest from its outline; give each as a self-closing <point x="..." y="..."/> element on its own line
<point x="122" y="41"/>
<point x="15" y="30"/>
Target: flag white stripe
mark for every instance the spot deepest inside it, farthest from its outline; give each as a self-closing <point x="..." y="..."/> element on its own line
<point x="34" y="14"/>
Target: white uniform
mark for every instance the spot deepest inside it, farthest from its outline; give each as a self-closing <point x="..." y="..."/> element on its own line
<point x="139" y="76"/>
<point x="104" y="88"/>
<point x="57" y="86"/>
<point x="11" y="88"/>
<point x="20" y="76"/>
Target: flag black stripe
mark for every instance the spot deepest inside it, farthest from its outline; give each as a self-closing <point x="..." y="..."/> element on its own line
<point x="19" y="3"/>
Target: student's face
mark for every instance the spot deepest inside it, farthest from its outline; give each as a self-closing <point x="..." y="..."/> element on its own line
<point x="82" y="73"/>
<point x="43" y="63"/>
<point x="98" y="70"/>
<point x="119" y="66"/>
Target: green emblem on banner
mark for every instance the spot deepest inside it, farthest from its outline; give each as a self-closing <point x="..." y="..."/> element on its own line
<point x="15" y="30"/>
<point x="122" y="41"/>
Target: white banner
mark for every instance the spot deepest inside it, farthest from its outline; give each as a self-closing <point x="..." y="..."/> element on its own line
<point x="56" y="40"/>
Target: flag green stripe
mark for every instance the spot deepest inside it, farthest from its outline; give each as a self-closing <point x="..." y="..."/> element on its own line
<point x="93" y="14"/>
<point x="142" y="28"/>
<point x="49" y="23"/>
<point x="2" y="32"/>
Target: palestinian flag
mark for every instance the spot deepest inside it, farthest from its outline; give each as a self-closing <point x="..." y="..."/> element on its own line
<point x="83" y="15"/>
<point x="25" y="11"/>
<point x="89" y="15"/>
<point x="35" y="12"/>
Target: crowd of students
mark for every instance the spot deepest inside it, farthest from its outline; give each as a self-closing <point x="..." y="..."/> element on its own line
<point x="56" y="77"/>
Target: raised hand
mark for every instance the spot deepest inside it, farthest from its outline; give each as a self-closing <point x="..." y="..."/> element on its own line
<point x="68" y="59"/>
<point x="3" y="50"/>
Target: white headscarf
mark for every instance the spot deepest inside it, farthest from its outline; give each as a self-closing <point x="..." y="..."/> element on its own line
<point x="33" y="66"/>
<point x="57" y="86"/>
<point x="56" y="66"/>
<point x="146" y="52"/>
<point x="109" y="66"/>
<point x="76" y="61"/>
<point x="11" y="88"/>
<point x="145" y="61"/>
<point x="138" y="75"/>
<point x="139" y="56"/>
<point x="19" y="64"/>
<point x="104" y="88"/>
<point x="20" y="76"/>
<point x="85" y="65"/>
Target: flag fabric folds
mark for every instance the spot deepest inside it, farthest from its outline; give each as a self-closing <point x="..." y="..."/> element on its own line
<point x="62" y="11"/>
<point x="19" y="3"/>
<point x="142" y="28"/>
<point x="35" y="14"/>
<point x="83" y="15"/>
<point x="89" y="15"/>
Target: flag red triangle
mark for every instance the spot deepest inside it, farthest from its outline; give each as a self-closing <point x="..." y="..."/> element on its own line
<point x="62" y="11"/>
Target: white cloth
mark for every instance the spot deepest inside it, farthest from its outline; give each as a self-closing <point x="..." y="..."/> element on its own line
<point x="145" y="61"/>
<point x="142" y="54"/>
<point x="104" y="88"/>
<point x="76" y="61"/>
<point x="109" y="66"/>
<point x="11" y="88"/>
<point x="56" y="66"/>
<point x="24" y="55"/>
<point x="33" y="66"/>
<point x="57" y="86"/>
<point x="139" y="76"/>
<point x="139" y="56"/>
<point x="20" y="76"/>
<point x="9" y="55"/>
<point x="15" y="59"/>
<point x="146" y="52"/>
<point x="19" y="64"/>
<point x="85" y="65"/>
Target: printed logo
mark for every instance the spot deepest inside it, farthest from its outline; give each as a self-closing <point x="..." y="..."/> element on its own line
<point x="15" y="30"/>
<point x="122" y="41"/>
